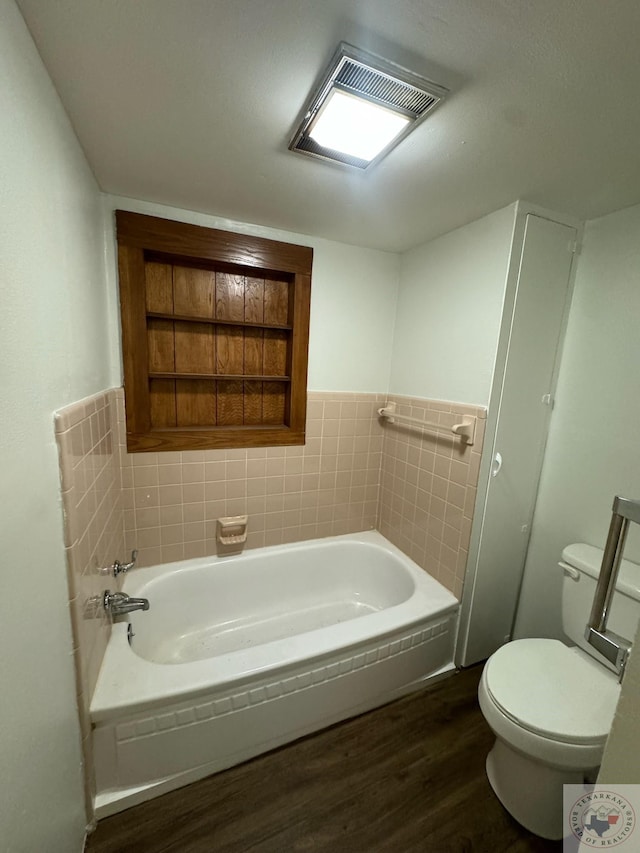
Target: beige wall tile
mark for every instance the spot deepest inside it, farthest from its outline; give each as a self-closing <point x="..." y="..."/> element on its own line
<point x="145" y="476"/>
<point x="193" y="473"/>
<point x="435" y="531"/>
<point x="150" y="555"/>
<point x="355" y="472"/>
<point x="94" y="514"/>
<point x="193" y="492"/>
<point x="459" y="472"/>
<point x="146" y="497"/>
<point x="172" y="553"/>
<point x="194" y="549"/>
<point x="456" y="495"/>
<point x="194" y="531"/>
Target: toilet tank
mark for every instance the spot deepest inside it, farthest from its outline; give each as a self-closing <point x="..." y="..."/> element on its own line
<point x="581" y="564"/>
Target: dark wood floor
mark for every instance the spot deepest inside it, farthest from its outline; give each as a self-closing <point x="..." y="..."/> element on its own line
<point x="406" y="777"/>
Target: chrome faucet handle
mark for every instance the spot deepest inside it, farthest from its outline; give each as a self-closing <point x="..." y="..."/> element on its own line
<point x="109" y="599"/>
<point x="121" y="568"/>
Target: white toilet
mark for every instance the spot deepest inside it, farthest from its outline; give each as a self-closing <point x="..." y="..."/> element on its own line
<point x="551" y="705"/>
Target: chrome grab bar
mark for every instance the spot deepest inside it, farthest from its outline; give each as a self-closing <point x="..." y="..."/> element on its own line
<point x="609" y="644"/>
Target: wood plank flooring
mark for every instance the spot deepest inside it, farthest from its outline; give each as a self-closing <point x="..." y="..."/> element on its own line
<point x="404" y="778"/>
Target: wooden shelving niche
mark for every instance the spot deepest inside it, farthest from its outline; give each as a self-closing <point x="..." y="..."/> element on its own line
<point x="215" y="335"/>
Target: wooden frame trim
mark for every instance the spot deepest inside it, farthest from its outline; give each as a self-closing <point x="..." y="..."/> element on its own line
<point x="299" y="349"/>
<point x="195" y="241"/>
<point x="201" y="438"/>
<point x="141" y="236"/>
<point x="134" y="328"/>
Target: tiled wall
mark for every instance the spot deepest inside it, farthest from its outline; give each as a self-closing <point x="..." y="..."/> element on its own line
<point x="428" y="488"/>
<point x="327" y="487"/>
<point x="355" y="472"/>
<point x="94" y="533"/>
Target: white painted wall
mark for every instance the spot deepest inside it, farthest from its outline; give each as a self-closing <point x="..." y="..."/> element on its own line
<point x="593" y="452"/>
<point x="53" y="350"/>
<point x="449" y="312"/>
<point x="353" y="300"/>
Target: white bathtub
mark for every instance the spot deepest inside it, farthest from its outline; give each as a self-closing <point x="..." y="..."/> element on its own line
<point x="241" y="654"/>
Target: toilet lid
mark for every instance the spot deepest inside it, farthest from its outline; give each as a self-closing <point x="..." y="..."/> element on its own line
<point x="553" y="690"/>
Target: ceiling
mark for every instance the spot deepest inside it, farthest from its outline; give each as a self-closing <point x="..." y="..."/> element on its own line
<point x="192" y="103"/>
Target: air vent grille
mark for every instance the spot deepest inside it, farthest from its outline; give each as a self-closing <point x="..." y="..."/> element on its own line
<point x="373" y="79"/>
<point x="367" y="81"/>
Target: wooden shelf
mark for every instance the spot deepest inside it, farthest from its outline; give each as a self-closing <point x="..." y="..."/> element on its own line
<point x="215" y="330"/>
<point x="232" y="377"/>
<point x="181" y="318"/>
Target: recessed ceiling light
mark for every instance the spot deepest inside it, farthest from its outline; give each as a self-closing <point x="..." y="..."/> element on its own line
<point x="363" y="107"/>
<point x="353" y="126"/>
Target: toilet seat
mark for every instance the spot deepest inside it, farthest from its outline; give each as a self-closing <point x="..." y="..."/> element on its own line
<point x="552" y="691"/>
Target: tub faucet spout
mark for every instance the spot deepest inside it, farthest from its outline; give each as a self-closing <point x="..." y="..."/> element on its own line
<point x="116" y="603"/>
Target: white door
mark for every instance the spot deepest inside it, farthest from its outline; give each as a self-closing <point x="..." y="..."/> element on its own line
<point x="522" y="426"/>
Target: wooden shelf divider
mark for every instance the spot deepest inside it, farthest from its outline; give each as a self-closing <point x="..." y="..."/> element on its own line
<point x="233" y="377"/>
<point x="179" y="318"/>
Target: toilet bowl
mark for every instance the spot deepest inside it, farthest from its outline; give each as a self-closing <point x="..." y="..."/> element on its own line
<point x="550" y="707"/>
